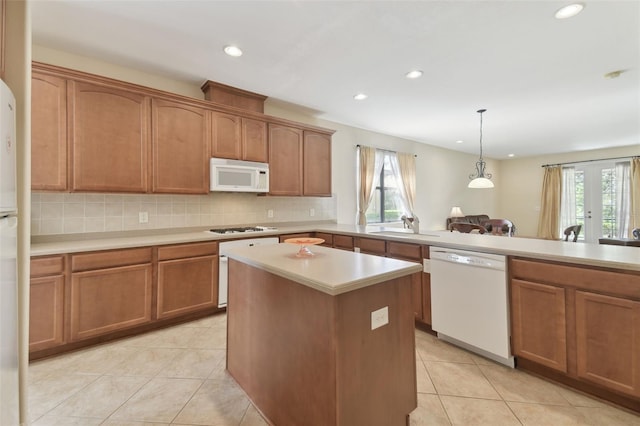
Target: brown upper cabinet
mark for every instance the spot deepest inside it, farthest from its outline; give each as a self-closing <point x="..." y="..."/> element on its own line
<point x="95" y="134"/>
<point x="317" y="164"/>
<point x="48" y="132"/>
<point x="285" y="160"/>
<point x="299" y="161"/>
<point x="109" y="138"/>
<point x="239" y="138"/>
<point x="180" y="141"/>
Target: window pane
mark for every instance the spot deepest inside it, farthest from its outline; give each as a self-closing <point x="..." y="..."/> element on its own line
<point x="373" y="212"/>
<point x="608" y="203"/>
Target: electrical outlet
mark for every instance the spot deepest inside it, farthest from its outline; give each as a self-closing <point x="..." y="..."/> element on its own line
<point x="356" y="249"/>
<point x="379" y="317"/>
<point x="143" y="217"/>
<point x="270" y="213"/>
<point x="312" y="212"/>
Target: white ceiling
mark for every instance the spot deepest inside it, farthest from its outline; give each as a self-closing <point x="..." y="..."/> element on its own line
<point x="540" y="79"/>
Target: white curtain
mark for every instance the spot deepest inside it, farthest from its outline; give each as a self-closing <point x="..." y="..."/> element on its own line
<point x="568" y="202"/>
<point x="369" y="165"/>
<point x="623" y="195"/>
<point x="403" y="167"/>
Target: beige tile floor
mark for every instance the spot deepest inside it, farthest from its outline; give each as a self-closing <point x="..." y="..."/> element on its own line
<point x="176" y="376"/>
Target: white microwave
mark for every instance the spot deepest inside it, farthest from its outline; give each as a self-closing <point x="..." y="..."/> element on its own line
<point x="238" y="176"/>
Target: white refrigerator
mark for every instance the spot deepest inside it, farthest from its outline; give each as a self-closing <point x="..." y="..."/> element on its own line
<point x="8" y="261"/>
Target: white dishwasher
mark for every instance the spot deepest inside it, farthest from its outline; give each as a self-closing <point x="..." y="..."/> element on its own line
<point x="470" y="302"/>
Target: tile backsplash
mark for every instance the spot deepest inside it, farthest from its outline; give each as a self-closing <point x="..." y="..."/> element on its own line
<point x="71" y="213"/>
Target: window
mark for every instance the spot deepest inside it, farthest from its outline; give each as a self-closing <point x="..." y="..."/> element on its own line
<point x="600" y="198"/>
<point x="386" y="203"/>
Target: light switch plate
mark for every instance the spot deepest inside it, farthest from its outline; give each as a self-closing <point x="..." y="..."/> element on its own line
<point x="379" y="317"/>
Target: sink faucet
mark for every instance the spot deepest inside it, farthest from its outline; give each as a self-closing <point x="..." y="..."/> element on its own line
<point x="411" y="223"/>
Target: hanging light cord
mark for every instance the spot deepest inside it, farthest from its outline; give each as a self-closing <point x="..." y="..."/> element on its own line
<point x="481" y="111"/>
<point x="480" y="164"/>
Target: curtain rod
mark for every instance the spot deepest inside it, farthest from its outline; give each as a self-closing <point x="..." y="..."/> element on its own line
<point x="591" y="161"/>
<point x="385" y="150"/>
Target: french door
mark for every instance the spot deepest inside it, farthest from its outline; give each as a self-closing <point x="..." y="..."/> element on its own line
<point x="596" y="201"/>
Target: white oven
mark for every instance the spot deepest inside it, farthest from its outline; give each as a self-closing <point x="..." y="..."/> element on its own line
<point x="223" y="269"/>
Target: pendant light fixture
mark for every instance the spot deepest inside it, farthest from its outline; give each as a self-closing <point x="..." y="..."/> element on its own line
<point x="480" y="179"/>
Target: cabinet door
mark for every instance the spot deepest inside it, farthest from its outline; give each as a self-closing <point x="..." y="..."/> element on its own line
<point x="107" y="300"/>
<point x="48" y="133"/>
<point x="344" y="242"/>
<point x="46" y="312"/>
<point x="225" y="141"/>
<point x="180" y="148"/>
<point x="538" y="323"/>
<point x="254" y="140"/>
<point x="187" y="285"/>
<point x="285" y="160"/>
<point x="317" y="164"/>
<point x="608" y="341"/>
<point x="371" y="246"/>
<point x="109" y="138"/>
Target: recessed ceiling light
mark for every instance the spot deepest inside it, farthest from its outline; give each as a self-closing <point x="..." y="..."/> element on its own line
<point x="459" y="141"/>
<point x="233" y="51"/>
<point x="360" y="97"/>
<point x="511" y="155"/>
<point x="569" y="11"/>
<point x="414" y="74"/>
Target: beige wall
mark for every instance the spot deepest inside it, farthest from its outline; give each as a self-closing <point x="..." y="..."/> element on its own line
<point x="521" y="183"/>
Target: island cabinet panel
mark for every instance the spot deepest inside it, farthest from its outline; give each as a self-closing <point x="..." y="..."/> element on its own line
<point x="48" y="132"/>
<point x="308" y="358"/>
<point x="109" y="138"/>
<point x="46" y="303"/>
<point x="116" y="295"/>
<point x="226" y="136"/>
<point x="317" y="164"/>
<point x="255" y="146"/>
<point x="187" y="278"/>
<point x="538" y="323"/>
<point x="180" y="148"/>
<point x="608" y="341"/>
<point x="285" y="160"/>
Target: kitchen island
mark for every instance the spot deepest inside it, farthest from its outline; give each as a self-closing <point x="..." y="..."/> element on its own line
<point x="325" y="340"/>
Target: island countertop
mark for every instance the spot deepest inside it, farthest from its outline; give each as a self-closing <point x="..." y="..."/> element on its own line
<point x="330" y="271"/>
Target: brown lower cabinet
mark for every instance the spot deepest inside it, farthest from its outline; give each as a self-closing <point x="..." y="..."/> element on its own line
<point x="109" y="291"/>
<point x="46" y="295"/>
<point x="86" y="298"/>
<point x="187" y="278"/>
<point x="580" y="325"/>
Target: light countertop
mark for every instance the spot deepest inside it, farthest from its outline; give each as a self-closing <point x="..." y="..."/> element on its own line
<point x="618" y="257"/>
<point x="331" y="271"/>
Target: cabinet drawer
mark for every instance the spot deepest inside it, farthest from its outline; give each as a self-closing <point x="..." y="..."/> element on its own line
<point x="187" y="250"/>
<point x="49" y="265"/>
<point x="109" y="259"/>
<point x="371" y="246"/>
<point x="343" y="242"/>
<point x="46" y="312"/>
<point x="404" y="251"/>
<point x="328" y="238"/>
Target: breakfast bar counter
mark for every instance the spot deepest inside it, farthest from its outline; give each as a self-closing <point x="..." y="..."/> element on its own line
<point x="322" y="340"/>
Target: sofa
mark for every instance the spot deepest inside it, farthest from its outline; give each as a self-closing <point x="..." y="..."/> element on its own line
<point x="479" y="219"/>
